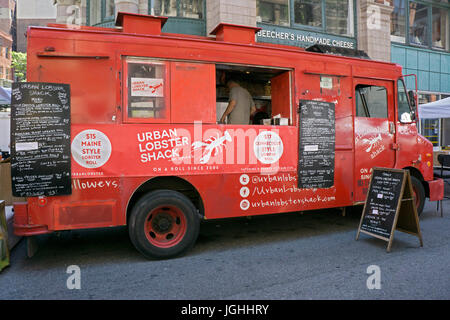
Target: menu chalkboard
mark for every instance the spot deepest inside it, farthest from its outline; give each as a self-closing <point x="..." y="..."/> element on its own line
<point x="317" y="135"/>
<point x="382" y="202"/>
<point x="389" y="206"/>
<point x="40" y="139"/>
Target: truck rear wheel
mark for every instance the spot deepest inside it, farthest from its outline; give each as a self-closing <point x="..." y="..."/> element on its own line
<point x="419" y="193"/>
<point x="163" y="224"/>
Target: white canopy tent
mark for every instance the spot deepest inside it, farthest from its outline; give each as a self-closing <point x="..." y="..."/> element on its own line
<point x="435" y="110"/>
<point x="5" y="95"/>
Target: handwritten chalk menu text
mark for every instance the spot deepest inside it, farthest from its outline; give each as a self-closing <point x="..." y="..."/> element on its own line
<point x="316" y="144"/>
<point x="40" y="139"/>
<point x="382" y="202"/>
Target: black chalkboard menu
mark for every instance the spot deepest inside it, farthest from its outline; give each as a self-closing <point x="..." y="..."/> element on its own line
<point x="40" y="139"/>
<point x="390" y="205"/>
<point x="317" y="135"/>
<point x="382" y="201"/>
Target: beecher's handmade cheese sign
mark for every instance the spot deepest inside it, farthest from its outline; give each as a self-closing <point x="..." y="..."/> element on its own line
<point x="389" y="206"/>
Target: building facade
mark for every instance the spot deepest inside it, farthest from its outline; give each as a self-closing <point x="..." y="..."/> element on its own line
<point x="412" y="33"/>
<point x="32" y="13"/>
<point x="6" y="74"/>
<point x="420" y="42"/>
<point x="7" y="10"/>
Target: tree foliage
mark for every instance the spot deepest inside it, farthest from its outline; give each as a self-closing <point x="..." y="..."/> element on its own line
<point x="19" y="64"/>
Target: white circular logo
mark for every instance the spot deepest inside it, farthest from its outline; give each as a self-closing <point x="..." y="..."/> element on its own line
<point x="245" y="204"/>
<point x="268" y="147"/>
<point x="244" y="192"/>
<point x="244" y="179"/>
<point x="91" y="148"/>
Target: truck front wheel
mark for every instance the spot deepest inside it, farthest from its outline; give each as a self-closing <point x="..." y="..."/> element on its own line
<point x="163" y="224"/>
<point x="419" y="193"/>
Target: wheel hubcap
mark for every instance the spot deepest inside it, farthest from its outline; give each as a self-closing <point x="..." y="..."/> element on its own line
<point x="165" y="226"/>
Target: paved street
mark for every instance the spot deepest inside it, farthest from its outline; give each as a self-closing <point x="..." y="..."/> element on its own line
<point x="289" y="256"/>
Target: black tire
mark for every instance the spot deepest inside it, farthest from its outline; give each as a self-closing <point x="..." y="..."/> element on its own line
<point x="419" y="192"/>
<point x="163" y="224"/>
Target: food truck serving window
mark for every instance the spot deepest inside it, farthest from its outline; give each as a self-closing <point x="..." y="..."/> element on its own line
<point x="146" y="91"/>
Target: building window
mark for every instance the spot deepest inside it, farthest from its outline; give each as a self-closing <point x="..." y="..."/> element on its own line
<point x="109" y="9"/>
<point x="95" y="12"/>
<point x="331" y="16"/>
<point x="440" y="28"/>
<point x="398" y="21"/>
<point x="163" y="8"/>
<point x="427" y="24"/>
<point x="273" y="12"/>
<point x="191" y="9"/>
<point x="338" y="16"/>
<point x="418" y="24"/>
<point x="308" y="13"/>
<point x="177" y="8"/>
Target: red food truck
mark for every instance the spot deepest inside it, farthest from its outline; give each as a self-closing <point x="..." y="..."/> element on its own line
<point x="148" y="151"/>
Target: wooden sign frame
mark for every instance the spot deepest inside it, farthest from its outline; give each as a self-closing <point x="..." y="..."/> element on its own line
<point x="406" y="218"/>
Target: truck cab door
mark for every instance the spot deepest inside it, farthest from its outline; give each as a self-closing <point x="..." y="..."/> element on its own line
<point x="407" y="134"/>
<point x="374" y="130"/>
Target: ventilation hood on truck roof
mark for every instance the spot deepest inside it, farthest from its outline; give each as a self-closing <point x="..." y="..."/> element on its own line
<point x="140" y="23"/>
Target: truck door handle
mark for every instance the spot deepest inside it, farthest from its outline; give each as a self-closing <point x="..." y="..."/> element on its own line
<point x="391" y="128"/>
<point x="395" y="146"/>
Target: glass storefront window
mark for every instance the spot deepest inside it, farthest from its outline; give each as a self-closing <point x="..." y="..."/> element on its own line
<point x="430" y="128"/>
<point x="440" y="27"/>
<point x="338" y="15"/>
<point x="177" y="8"/>
<point x="398" y="21"/>
<point x="308" y="12"/>
<point x="273" y="12"/>
<point x="418" y="24"/>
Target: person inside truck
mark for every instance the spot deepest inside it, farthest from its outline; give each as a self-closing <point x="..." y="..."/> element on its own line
<point x="240" y="105"/>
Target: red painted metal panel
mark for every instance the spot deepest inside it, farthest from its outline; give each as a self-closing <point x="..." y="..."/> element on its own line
<point x="281" y="95"/>
<point x="193" y="92"/>
<point x="84" y="214"/>
<point x="140" y="24"/>
<point x="436" y="189"/>
<point x="236" y="34"/>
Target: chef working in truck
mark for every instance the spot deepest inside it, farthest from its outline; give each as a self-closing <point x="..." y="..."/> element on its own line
<point x="240" y="106"/>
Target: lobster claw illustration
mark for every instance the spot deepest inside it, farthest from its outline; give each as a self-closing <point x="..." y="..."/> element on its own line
<point x="213" y="143"/>
<point x="372" y="142"/>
